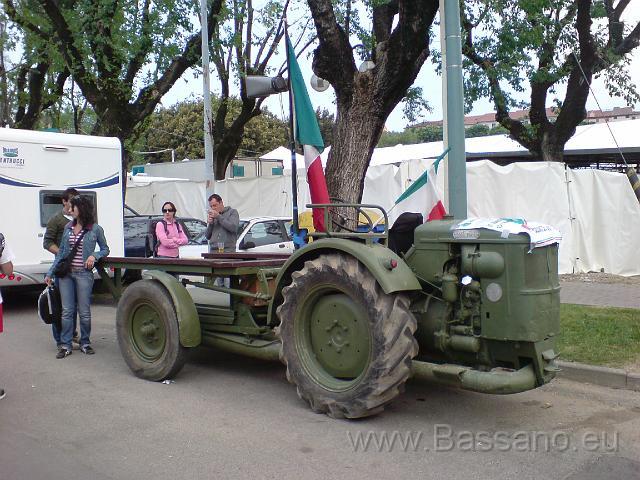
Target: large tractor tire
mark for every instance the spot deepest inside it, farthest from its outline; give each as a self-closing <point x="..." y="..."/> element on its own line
<point x="347" y="345"/>
<point x="147" y="329"/>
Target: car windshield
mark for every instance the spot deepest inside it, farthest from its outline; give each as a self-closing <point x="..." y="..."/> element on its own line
<point x="195" y="228"/>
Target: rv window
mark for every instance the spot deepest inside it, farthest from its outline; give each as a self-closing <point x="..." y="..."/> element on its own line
<point x="51" y="203"/>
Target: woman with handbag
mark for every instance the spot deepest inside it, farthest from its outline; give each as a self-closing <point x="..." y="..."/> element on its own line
<point x="73" y="266"/>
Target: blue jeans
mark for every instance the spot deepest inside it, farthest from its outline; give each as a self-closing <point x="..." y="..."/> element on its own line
<point x="54" y="325"/>
<point x="75" y="290"/>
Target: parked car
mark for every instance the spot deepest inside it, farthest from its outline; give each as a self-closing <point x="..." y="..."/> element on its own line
<point x="137" y="240"/>
<point x="255" y="234"/>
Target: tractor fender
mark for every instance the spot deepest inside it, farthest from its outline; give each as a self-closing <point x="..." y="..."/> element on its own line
<point x="375" y="257"/>
<point x="188" y="320"/>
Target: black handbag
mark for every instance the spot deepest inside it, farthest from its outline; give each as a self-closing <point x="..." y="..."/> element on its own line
<point x="63" y="268"/>
<point x="50" y="306"/>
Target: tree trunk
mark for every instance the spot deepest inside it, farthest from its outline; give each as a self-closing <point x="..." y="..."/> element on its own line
<point x="223" y="155"/>
<point x="551" y="148"/>
<point x="356" y="134"/>
<point x="365" y="99"/>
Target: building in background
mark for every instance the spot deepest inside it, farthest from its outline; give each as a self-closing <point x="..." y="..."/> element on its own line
<point x="593" y="116"/>
<point x="194" y="169"/>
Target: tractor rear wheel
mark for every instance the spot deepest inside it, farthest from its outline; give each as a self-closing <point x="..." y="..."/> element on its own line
<point x="347" y="345"/>
<point x="148" y="334"/>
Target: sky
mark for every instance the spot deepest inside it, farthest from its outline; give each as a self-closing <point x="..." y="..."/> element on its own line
<point x="430" y="82"/>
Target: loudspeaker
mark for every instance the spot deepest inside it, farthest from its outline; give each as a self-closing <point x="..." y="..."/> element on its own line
<point x="319" y="84"/>
<point x="258" y="86"/>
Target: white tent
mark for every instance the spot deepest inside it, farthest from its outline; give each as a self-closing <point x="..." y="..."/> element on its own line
<point x="596" y="211"/>
<point x="284" y="155"/>
<point x="588" y="138"/>
<point x="142" y="179"/>
<point x="147" y="194"/>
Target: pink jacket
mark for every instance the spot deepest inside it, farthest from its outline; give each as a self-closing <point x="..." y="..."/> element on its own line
<point x="169" y="243"/>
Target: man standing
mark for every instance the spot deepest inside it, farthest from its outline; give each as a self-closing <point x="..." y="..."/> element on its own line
<point x="55" y="226"/>
<point x="222" y="228"/>
<point x="51" y="242"/>
<point x="6" y="267"/>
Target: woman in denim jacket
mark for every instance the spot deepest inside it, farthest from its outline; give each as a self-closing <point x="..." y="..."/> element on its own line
<point x="75" y="288"/>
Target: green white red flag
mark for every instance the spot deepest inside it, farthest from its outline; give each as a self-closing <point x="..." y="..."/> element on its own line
<point x="420" y="197"/>
<point x="307" y="133"/>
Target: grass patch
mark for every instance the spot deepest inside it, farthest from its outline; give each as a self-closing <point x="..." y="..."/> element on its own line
<point x="599" y="335"/>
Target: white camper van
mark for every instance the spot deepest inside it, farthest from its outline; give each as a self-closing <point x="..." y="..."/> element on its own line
<point x="35" y="168"/>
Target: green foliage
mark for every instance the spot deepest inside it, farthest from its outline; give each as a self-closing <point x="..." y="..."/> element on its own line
<point x="180" y="126"/>
<point x="531" y="42"/>
<point x="478" y="130"/>
<point x="409" y="136"/>
<point x="415" y="104"/>
<point x="498" y="130"/>
<point x="28" y="81"/>
<point x="598" y="9"/>
<point x="116" y="52"/>
<point x="619" y="83"/>
<point x="109" y="35"/>
<point x="124" y="56"/>
<point x="60" y="116"/>
<point x="599" y="335"/>
<point x="433" y="133"/>
<point x="359" y="15"/>
<point x="545" y="45"/>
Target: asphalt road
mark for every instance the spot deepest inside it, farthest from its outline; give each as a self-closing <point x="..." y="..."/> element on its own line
<point x="227" y="417"/>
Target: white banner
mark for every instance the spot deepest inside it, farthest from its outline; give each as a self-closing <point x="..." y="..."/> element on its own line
<point x="540" y="234"/>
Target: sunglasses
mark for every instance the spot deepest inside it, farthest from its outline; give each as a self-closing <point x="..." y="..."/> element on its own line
<point x="167" y="210"/>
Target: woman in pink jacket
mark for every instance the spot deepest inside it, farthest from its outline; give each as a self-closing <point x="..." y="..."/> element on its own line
<point x="169" y="233"/>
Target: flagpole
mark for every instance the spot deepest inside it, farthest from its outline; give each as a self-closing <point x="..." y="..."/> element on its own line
<point x="292" y="144"/>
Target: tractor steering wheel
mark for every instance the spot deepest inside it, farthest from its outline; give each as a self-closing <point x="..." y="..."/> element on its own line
<point x="339" y="220"/>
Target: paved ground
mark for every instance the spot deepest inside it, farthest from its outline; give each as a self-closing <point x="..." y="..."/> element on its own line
<point x="601" y="294"/>
<point x="227" y="417"/>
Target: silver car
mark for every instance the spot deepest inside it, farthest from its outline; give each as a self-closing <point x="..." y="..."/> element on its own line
<point x="255" y="234"/>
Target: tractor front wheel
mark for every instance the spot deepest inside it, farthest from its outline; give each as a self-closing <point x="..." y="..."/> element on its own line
<point x="347" y="345"/>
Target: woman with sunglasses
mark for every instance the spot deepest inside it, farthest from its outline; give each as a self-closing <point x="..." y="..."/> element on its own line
<point x="169" y="233"/>
<point x="80" y="236"/>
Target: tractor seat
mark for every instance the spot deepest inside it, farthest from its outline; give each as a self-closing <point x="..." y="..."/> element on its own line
<point x="401" y="233"/>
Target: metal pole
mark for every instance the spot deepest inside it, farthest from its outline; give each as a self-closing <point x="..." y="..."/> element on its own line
<point x="292" y="144"/>
<point x="209" y="173"/>
<point x="457" y="171"/>
<point x="444" y="166"/>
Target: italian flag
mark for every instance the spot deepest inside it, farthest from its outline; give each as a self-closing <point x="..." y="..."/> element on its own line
<point x="420" y="197"/>
<point x="307" y="133"/>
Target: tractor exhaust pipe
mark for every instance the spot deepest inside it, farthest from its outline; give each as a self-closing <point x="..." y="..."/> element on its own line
<point x="497" y="381"/>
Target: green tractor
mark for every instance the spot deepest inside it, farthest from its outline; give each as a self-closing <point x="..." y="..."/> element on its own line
<point x="352" y="319"/>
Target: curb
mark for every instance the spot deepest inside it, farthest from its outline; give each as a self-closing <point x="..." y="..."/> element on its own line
<point x="603" y="376"/>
